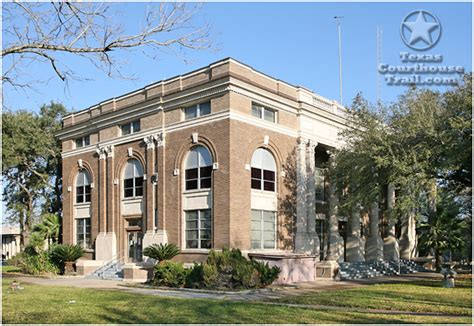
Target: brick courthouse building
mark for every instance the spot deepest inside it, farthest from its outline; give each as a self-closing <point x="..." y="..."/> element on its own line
<point x="223" y="156"/>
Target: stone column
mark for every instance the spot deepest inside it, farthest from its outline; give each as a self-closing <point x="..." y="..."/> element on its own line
<point x="391" y="250"/>
<point x="355" y="245"/>
<point x="150" y="183"/>
<point x="374" y="243"/>
<point x="313" y="237"/>
<point x="408" y="237"/>
<point x="336" y="243"/>
<point x="301" y="205"/>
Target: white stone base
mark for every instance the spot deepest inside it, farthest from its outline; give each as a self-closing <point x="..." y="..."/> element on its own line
<point x="152" y="237"/>
<point x="374" y="248"/>
<point x="137" y="272"/>
<point x="391" y="251"/>
<point x="85" y="267"/>
<point x="106" y="246"/>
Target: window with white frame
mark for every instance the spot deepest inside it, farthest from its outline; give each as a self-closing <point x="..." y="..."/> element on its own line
<point x="198" y="229"/>
<point x="197" y="110"/>
<point x="263" y="112"/>
<point x="83" y="141"/>
<point x="263" y="170"/>
<point x="263" y="229"/>
<point x="198" y="171"/>
<point x="133" y="179"/>
<point x="131" y="127"/>
<point x="83" y="187"/>
<point x="83" y="232"/>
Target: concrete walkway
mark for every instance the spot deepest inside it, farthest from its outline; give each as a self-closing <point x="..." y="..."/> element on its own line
<point x="265" y="294"/>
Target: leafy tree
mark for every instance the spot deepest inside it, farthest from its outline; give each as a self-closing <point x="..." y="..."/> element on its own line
<point x="48" y="228"/>
<point x="419" y="144"/>
<point x="30" y="170"/>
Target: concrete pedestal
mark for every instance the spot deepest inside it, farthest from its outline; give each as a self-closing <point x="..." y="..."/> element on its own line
<point x="374" y="248"/>
<point x="106" y="246"/>
<point x="391" y="251"/>
<point x="327" y="269"/>
<point x="137" y="272"/>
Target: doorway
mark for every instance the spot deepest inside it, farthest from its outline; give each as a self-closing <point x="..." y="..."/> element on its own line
<point x="135" y="240"/>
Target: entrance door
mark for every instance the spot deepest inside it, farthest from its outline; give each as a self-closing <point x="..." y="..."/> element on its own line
<point x="135" y="246"/>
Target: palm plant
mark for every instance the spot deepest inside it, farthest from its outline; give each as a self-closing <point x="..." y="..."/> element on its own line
<point x="48" y="228"/>
<point x="444" y="229"/>
<point x="66" y="255"/>
<point x="161" y="252"/>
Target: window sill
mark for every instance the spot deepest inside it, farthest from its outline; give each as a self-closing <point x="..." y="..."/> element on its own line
<point x="195" y="251"/>
<point x="197" y="191"/>
<point x="132" y="199"/>
<point x="82" y="204"/>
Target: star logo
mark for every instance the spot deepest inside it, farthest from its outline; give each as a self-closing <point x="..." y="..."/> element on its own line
<point x="420" y="30"/>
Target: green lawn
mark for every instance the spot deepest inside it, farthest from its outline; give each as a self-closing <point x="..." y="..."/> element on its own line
<point x="47" y="304"/>
<point x="10" y="269"/>
<point x="417" y="296"/>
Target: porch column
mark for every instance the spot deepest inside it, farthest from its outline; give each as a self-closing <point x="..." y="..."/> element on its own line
<point x="313" y="237"/>
<point x="374" y="243"/>
<point x="336" y="243"/>
<point x="150" y="183"/>
<point x="301" y="205"/>
<point x="391" y="250"/>
<point x="354" y="245"/>
<point x="408" y="237"/>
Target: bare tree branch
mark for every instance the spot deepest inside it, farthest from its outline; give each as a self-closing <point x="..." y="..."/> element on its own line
<point x="51" y="31"/>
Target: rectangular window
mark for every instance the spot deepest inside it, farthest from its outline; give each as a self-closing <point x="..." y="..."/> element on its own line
<point x="263" y="229"/>
<point x="83" y="232"/>
<point x="83" y="194"/>
<point x="264" y="113"/>
<point x="197" y="110"/>
<point x="199" y="229"/>
<point x="82" y="141"/>
<point x="262" y="179"/>
<point x="131" y="127"/>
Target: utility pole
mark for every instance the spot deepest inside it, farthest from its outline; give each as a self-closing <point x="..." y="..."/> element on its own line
<point x="379" y="60"/>
<point x="338" y="20"/>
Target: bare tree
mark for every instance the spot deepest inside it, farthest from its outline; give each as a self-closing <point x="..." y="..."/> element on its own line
<point x="50" y="32"/>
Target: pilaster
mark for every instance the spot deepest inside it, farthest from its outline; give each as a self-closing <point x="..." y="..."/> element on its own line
<point x="336" y="243"/>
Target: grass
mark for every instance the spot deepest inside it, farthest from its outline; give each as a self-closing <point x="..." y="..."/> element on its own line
<point x="9" y="269"/>
<point x="49" y="304"/>
<point x="417" y="296"/>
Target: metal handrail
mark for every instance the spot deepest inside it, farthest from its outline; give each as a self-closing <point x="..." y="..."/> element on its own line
<point x="119" y="255"/>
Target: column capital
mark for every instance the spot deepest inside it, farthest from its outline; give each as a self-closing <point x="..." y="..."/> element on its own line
<point x="160" y="139"/>
<point x="149" y="141"/>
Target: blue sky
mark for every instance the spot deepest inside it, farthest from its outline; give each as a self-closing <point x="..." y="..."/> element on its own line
<point x="295" y="42"/>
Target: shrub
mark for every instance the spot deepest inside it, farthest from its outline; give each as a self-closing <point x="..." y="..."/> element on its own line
<point x="62" y="253"/>
<point x="267" y="274"/>
<point x="35" y="263"/>
<point x="195" y="277"/>
<point x="210" y="276"/>
<point x="170" y="274"/>
<point x="161" y="252"/>
<point x="233" y="270"/>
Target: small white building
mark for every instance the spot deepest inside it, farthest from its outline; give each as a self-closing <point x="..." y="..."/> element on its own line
<point x="10" y="241"/>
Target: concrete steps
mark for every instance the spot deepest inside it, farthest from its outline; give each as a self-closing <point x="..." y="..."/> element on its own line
<point x="358" y="270"/>
<point x="111" y="271"/>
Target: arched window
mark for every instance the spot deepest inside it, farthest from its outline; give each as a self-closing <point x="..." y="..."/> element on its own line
<point x="198" y="168"/>
<point x="263" y="170"/>
<point x="133" y="179"/>
<point x="83" y="187"/>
